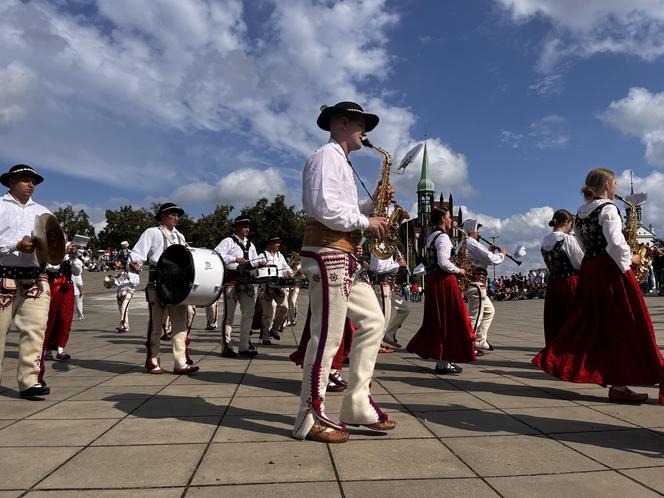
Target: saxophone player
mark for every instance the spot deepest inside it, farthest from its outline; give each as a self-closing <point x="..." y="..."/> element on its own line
<point x="335" y="223"/>
<point x="609" y="338"/>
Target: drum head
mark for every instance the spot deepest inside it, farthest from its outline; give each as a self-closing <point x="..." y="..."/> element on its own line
<point x="175" y="274"/>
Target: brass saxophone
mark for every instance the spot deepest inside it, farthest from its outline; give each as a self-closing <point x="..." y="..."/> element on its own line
<point x="385" y="248"/>
<point x="462" y="260"/>
<point x="642" y="250"/>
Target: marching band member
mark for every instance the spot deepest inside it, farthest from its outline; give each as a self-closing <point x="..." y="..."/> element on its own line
<point x="149" y="248"/>
<point x="480" y="308"/>
<point x="24" y="290"/>
<point x="237" y="253"/>
<point x="335" y="224"/>
<point x="390" y="297"/>
<point x="126" y="282"/>
<point x="61" y="309"/>
<point x="609" y="337"/>
<point x="562" y="256"/>
<point x="294" y="292"/>
<point x="446" y="334"/>
<point x="212" y="315"/>
<point x="273" y="303"/>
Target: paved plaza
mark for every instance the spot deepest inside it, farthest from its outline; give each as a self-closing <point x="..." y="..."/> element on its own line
<point x="502" y="428"/>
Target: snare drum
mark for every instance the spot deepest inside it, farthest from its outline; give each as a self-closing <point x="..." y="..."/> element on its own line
<point x="263" y="274"/>
<point x="283" y="283"/>
<point x="189" y="275"/>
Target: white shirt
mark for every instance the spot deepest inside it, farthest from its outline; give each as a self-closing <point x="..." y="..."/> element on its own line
<point x="277" y="259"/>
<point x="380" y="266"/>
<point x="481" y="256"/>
<point x="609" y="219"/>
<point x="228" y="249"/>
<point x="443" y="251"/>
<point x="17" y="221"/>
<point x="127" y="281"/>
<point x="329" y="193"/>
<point x="570" y="246"/>
<point x="152" y="244"/>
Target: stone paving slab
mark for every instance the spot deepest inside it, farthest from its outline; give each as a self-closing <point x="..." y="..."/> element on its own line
<point x="501" y="428"/>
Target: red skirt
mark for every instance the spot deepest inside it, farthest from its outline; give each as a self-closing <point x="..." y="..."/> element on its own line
<point x="446" y="333"/>
<point x="297" y="356"/>
<point x="558" y="305"/>
<point x="609" y="337"/>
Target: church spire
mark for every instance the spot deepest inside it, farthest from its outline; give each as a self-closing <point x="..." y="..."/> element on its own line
<point x="426" y="183"/>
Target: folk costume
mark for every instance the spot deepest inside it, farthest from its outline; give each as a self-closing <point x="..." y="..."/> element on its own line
<point x="338" y="288"/>
<point x="24" y="291"/>
<point x="293" y="295"/>
<point x="480" y="307"/>
<point x="609" y="338"/>
<point x="390" y="296"/>
<point x="273" y="299"/>
<point x="126" y="282"/>
<point x="562" y="256"/>
<point x="149" y="248"/>
<point x="61" y="308"/>
<point x="237" y="289"/>
<point x="446" y="334"/>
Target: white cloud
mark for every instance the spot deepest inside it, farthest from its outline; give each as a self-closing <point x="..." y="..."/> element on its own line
<point x="583" y="28"/>
<point x="175" y="91"/>
<point x="17" y="85"/>
<point x="640" y="114"/>
<point x="546" y="133"/>
<point x="653" y="184"/>
<point x="240" y="188"/>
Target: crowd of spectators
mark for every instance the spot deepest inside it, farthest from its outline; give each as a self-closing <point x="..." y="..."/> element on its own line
<point x="518" y="287"/>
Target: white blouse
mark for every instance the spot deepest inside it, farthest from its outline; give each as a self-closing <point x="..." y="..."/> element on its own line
<point x="570" y="246"/>
<point x="443" y="251"/>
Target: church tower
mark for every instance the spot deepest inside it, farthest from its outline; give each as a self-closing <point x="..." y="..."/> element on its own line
<point x="425" y="191"/>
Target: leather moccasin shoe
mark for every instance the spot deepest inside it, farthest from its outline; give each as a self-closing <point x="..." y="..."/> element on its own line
<point x="626" y="396"/>
<point x="335" y="388"/>
<point x="392" y="343"/>
<point x="63" y="357"/>
<point x="450" y="369"/>
<point x="385" y="425"/>
<point x="155" y="371"/>
<point x="324" y="434"/>
<point x="186" y="370"/>
<point x="275" y="335"/>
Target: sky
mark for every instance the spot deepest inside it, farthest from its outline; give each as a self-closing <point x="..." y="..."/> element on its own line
<point x="206" y="102"/>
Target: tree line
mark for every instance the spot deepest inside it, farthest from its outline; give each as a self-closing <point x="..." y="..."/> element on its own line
<point x="127" y="223"/>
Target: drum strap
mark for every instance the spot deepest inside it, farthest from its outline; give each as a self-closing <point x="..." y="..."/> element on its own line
<point x="171" y="238"/>
<point x="244" y="247"/>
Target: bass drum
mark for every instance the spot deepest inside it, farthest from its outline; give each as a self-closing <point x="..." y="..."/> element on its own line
<point x="189" y="275"/>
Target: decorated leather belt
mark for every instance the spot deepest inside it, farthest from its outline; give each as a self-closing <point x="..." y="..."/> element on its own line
<point x="318" y="235"/>
<point x="478" y="276"/>
<point x="234" y="277"/>
<point x="20" y="272"/>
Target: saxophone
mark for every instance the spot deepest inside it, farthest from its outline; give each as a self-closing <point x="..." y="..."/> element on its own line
<point x="462" y="260"/>
<point x="386" y="248"/>
<point x="642" y="250"/>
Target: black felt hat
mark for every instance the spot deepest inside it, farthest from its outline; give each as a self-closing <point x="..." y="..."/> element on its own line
<point x="350" y="108"/>
<point x="241" y="220"/>
<point x="166" y="207"/>
<point x="21" y="170"/>
<point x="274" y="238"/>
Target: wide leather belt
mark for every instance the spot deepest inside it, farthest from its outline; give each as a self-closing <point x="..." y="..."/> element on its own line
<point x="388" y="278"/>
<point x="318" y="235"/>
<point x="20" y="272"/>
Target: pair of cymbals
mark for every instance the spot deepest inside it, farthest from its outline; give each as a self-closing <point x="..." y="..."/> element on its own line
<point x="49" y="240"/>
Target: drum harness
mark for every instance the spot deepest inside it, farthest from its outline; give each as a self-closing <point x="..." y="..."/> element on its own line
<point x="170" y="239"/>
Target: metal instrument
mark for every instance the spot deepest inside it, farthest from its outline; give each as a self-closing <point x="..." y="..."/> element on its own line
<point x="49" y="240"/>
<point x="642" y="250"/>
<point x="491" y="244"/>
<point x="384" y="249"/>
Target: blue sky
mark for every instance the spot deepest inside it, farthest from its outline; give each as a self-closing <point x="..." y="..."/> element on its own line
<point x="204" y="102"/>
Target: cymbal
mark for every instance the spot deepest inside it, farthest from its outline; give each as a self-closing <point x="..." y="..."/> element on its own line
<point x="49" y="240"/>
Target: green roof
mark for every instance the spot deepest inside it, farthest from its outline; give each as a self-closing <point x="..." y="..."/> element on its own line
<point x="426" y="183"/>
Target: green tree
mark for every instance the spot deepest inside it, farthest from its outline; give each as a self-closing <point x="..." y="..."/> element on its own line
<point x="125" y="223"/>
<point x="209" y="229"/>
<point x="276" y="218"/>
<point x="76" y="223"/>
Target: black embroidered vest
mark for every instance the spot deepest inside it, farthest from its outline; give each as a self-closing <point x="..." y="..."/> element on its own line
<point x="590" y="232"/>
<point x="557" y="262"/>
<point x="431" y="261"/>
